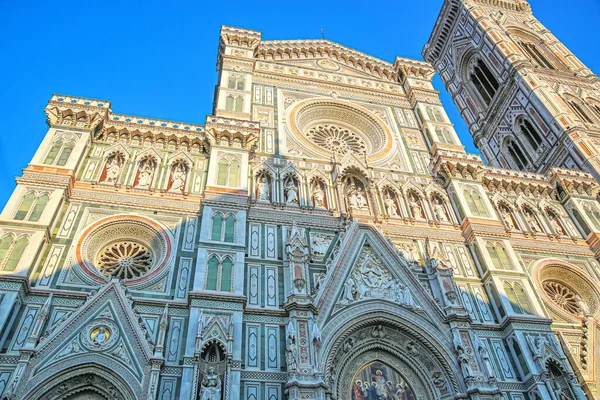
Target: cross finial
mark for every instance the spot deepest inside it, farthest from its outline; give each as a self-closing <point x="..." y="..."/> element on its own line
<point x="322" y="33"/>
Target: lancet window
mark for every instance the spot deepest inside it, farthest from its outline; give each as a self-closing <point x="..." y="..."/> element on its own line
<point x="475" y="203"/>
<point x="517" y="297"/>
<point x="484" y="81"/>
<point x="531" y="134"/>
<point x="516" y="154"/>
<point x="579" y="110"/>
<point x="234" y="103"/>
<point x="11" y="251"/>
<point x="32" y="206"/>
<point x="228" y="172"/>
<point x="59" y="152"/>
<point x="235" y="82"/>
<point x="223" y="228"/>
<point x="536" y="55"/>
<point x="219" y="273"/>
<point x="499" y="256"/>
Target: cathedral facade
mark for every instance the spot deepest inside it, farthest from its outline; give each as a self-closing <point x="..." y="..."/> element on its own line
<point x="324" y="235"/>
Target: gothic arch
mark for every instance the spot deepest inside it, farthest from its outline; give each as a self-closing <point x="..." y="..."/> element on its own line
<point x="395" y="337"/>
<point x="516" y="156"/>
<point x="90" y="378"/>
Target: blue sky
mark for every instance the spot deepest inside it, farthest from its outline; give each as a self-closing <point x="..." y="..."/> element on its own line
<point x="157" y="59"/>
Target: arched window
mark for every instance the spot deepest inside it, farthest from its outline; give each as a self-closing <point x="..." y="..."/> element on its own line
<point x="217" y="227"/>
<point x="235" y="82"/>
<point x="594" y="216"/>
<point x="219" y="274"/>
<point x="443" y="135"/>
<point x="239" y="103"/>
<point x="484" y="81"/>
<point x="223" y="228"/>
<point x="229" y="229"/>
<point x="536" y="55"/>
<point x="522" y="298"/>
<point x="229" y="103"/>
<point x="234" y="171"/>
<point x="531" y="134"/>
<point x="430" y="113"/>
<point x="228" y="173"/>
<point x="517" y="297"/>
<point x="11" y="251"/>
<point x="578" y="109"/>
<point x="226" y="271"/>
<point x="51" y="156"/>
<point x="438" y="115"/>
<point x="31" y="207"/>
<point x="59" y="153"/>
<point x="475" y="203"/>
<point x="516" y="154"/>
<point x="499" y="256"/>
<point x="212" y="273"/>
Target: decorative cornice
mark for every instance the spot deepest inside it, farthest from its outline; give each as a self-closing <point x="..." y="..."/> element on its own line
<point x="231" y="36"/>
<point x="300" y="49"/>
<point x="244" y="133"/>
<point x="456" y="164"/>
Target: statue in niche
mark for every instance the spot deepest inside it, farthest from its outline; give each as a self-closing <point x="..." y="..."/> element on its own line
<point x="263" y="190"/>
<point x="361" y="200"/>
<point x="507" y="217"/>
<point x="415" y="206"/>
<point x="356" y="196"/>
<point x="318" y="195"/>
<point x="291" y="192"/>
<point x="178" y="177"/>
<point x="352" y="198"/>
<point x="440" y="209"/>
<point x="390" y="206"/>
<point x="532" y="220"/>
<point x="146" y="173"/>
<point x="113" y="168"/>
<point x="554" y="220"/>
<point x="211" y="386"/>
<point x="484" y="354"/>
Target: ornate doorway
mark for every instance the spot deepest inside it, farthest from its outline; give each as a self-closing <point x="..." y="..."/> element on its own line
<point x="84" y="387"/>
<point x="379" y="381"/>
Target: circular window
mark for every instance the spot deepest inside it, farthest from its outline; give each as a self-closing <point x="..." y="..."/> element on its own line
<point x="568" y="292"/>
<point x="125" y="260"/>
<point x="323" y="126"/>
<point x="563" y="296"/>
<point x="131" y="248"/>
<point x="337" y="139"/>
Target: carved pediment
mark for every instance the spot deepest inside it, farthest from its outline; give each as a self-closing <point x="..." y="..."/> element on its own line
<point x="367" y="267"/>
<point x="106" y="330"/>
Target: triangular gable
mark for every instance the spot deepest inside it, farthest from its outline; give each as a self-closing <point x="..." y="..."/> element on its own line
<point x="303" y="52"/>
<point x="104" y="330"/>
<point x="378" y="272"/>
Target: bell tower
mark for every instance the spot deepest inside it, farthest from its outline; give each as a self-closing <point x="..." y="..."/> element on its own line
<point x="529" y="102"/>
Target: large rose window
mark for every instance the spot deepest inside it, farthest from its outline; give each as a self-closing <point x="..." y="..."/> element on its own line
<point x="563" y="296"/>
<point x="337" y="139"/>
<point x="125" y="260"/>
<point x="325" y="126"/>
<point x="568" y="291"/>
<point x="125" y="247"/>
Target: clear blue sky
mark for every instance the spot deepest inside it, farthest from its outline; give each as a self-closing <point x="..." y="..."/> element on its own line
<point x="157" y="59"/>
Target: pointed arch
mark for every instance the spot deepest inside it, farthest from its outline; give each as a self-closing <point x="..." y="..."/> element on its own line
<point x="14" y="253"/>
